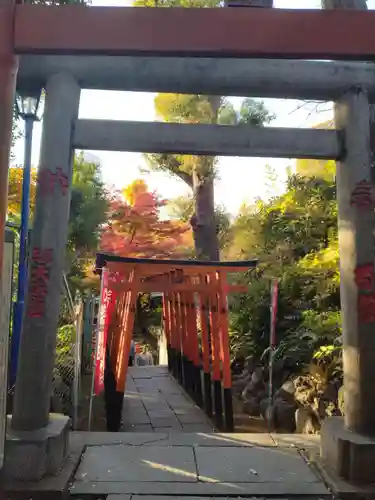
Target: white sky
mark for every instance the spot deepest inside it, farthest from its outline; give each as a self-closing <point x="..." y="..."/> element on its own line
<point x="240" y="179"/>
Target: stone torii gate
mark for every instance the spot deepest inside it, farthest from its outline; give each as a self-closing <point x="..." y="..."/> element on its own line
<point x="64" y="49"/>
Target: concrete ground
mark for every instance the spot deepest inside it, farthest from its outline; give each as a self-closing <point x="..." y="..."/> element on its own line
<point x="169" y="449"/>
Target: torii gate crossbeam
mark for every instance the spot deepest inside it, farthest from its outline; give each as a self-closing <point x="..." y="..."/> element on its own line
<point x="255" y="32"/>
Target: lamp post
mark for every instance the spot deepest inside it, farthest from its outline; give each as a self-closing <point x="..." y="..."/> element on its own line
<point x="27" y="107"/>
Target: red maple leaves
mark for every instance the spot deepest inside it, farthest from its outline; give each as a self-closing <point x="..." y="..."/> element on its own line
<point x="135" y="229"/>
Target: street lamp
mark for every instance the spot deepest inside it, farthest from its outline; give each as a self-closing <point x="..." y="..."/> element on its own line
<point x="27" y="108"/>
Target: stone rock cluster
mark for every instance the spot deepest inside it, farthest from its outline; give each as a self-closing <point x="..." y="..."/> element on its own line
<point x="299" y="403"/>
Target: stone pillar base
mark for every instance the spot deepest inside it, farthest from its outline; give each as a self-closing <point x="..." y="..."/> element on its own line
<point x="32" y="455"/>
<point x="350" y="455"/>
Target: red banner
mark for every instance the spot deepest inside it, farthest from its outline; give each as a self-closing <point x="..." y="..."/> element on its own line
<point x="105" y="311"/>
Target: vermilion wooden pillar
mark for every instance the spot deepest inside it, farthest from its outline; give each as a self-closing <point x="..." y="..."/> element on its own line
<point x="204" y="321"/>
<point x="185" y="340"/>
<point x="179" y="338"/>
<point x="224" y="354"/>
<point x="172" y="319"/>
<point x="192" y="316"/>
<point x="188" y="345"/>
<point x="167" y="327"/>
<point x="216" y="369"/>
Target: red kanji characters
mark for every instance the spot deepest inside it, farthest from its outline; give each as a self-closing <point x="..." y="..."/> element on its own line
<point x="361" y="197"/>
<point x="39" y="278"/>
<point x="366" y="308"/>
<point x="42" y="255"/>
<point x="364" y="277"/>
<point x="49" y="180"/>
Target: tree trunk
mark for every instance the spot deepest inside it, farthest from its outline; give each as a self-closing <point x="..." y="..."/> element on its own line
<point x="203" y="221"/>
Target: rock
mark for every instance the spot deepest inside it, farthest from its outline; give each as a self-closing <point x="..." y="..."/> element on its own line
<point x="306" y="422"/>
<point x="255" y="387"/>
<point x="328" y="401"/>
<point x="249" y="365"/>
<point x="284" y="395"/>
<point x="251" y="407"/>
<point x="289" y="387"/>
<point x="237" y="366"/>
<point x="239" y="384"/>
<point x="284" y="415"/>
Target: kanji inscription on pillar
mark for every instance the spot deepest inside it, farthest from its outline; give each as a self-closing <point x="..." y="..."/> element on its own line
<point x="41" y="261"/>
<point x="52" y="182"/>
<point x="361" y="196"/>
<point x="364" y="277"/>
<point x="366" y="308"/>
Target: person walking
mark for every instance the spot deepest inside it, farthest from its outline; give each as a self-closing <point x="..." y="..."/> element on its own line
<point x="131" y="353"/>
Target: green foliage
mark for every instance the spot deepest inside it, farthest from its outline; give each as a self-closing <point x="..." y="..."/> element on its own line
<point x="295" y="238"/>
<point x="88" y="205"/>
<point x="88" y="212"/>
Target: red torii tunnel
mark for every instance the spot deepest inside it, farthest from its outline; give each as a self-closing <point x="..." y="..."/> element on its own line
<point x="195" y="320"/>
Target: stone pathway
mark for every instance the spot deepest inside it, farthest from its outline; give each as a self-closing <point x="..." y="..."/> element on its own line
<point x="155" y="402"/>
<point x="171" y="450"/>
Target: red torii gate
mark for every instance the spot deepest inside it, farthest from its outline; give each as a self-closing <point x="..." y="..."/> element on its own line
<point x="194" y="292"/>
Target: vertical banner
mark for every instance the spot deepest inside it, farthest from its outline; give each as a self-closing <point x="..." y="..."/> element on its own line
<point x="273" y="319"/>
<point x="102" y="331"/>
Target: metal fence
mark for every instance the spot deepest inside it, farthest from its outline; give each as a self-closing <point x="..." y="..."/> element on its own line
<point x="67" y="370"/>
<point x="5" y="315"/>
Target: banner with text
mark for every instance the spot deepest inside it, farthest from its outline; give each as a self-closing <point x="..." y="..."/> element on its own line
<point x="104" y="315"/>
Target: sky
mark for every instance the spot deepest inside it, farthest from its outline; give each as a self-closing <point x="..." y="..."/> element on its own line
<point x="239" y="180"/>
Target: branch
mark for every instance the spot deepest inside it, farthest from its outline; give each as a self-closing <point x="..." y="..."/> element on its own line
<point x="186" y="178"/>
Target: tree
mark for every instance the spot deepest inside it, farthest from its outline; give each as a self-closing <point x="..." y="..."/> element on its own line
<point x="15" y="177"/>
<point x="199" y="172"/>
<point x="318" y="168"/>
<point x="182" y="208"/>
<point x="295" y="238"/>
<point x="134" y="227"/>
<point x="88" y="213"/>
<point x="88" y="208"/>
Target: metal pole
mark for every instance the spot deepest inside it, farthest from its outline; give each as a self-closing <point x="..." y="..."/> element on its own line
<point x="22" y="266"/>
<point x="273" y="313"/>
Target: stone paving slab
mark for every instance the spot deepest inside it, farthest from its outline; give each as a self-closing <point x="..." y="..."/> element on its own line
<point x="137" y="464"/>
<point x="256" y="464"/>
<point x="147" y="371"/>
<point x="118" y="497"/>
<point x="178" y="454"/>
<point x="166" y="438"/>
<point x="183" y="464"/>
<point x="315" y="490"/>
<point x="154" y="399"/>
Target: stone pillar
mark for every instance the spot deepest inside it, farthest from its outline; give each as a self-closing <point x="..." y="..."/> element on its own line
<point x="348" y="447"/>
<point x="8" y="74"/>
<point x="38" y="338"/>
